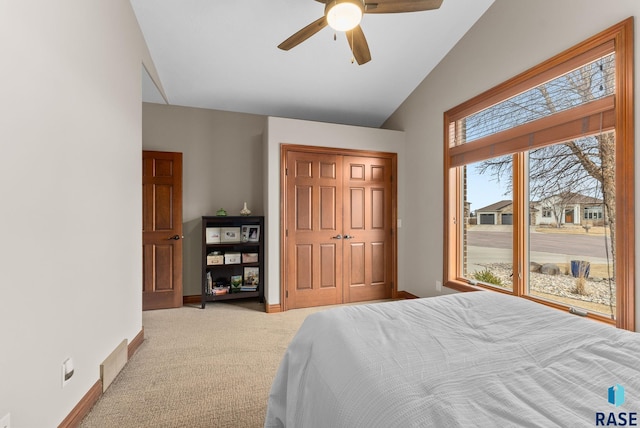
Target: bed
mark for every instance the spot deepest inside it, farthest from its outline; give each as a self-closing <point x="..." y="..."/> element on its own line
<point x="477" y="359"/>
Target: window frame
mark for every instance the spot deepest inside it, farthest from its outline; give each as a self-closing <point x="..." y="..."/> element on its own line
<point x="615" y="112"/>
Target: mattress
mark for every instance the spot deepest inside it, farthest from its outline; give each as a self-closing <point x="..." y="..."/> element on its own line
<point x="477" y="359"/>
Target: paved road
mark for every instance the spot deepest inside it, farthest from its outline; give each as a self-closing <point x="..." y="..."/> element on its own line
<point x="577" y="245"/>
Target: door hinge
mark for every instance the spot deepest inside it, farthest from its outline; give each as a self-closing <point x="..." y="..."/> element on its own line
<point x="286" y="171"/>
<point x="286" y="233"/>
<point x="286" y="294"/>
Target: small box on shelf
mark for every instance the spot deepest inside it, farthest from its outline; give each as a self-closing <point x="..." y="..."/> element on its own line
<point x="229" y="234"/>
<point x="215" y="259"/>
<point x="249" y="257"/>
<point x="231" y="258"/>
<point x="212" y="235"/>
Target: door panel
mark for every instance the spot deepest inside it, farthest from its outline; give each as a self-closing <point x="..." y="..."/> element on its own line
<point x="357" y="266"/>
<point x="161" y="224"/>
<point x="328" y="261"/>
<point x="303" y="208"/>
<point x="304" y="269"/>
<point x="313" y="262"/>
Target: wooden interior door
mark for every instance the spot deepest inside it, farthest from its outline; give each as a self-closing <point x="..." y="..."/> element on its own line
<point x="313" y="231"/>
<point x="161" y="230"/>
<point x="367" y="228"/>
<point x="338" y="226"/>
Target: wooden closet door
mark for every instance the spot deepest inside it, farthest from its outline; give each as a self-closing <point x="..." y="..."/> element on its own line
<point x="367" y="228"/>
<point x="313" y="230"/>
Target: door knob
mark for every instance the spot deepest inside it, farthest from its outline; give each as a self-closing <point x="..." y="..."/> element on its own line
<point x="337" y="237"/>
<point x="175" y="237"/>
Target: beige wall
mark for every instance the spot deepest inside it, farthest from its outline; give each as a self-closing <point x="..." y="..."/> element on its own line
<point x="230" y="158"/>
<point x="222" y="167"/>
<point x="512" y="36"/>
<point x="70" y="263"/>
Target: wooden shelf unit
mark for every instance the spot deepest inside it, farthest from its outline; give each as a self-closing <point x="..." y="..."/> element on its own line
<point x="221" y="273"/>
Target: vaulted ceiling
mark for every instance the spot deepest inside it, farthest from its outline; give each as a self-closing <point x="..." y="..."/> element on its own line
<point x="223" y="55"/>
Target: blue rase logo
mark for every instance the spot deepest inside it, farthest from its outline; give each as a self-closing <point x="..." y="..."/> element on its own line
<point x="616" y="395"/>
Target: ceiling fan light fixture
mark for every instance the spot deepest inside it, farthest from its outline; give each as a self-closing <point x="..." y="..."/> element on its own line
<point x="344" y="15"/>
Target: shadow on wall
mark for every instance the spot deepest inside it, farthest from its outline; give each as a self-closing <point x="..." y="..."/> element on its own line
<point x="192" y="257"/>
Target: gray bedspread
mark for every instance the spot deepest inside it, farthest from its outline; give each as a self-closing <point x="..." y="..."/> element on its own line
<point x="479" y="359"/>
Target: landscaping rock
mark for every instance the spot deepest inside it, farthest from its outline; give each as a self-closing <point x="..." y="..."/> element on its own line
<point x="550" y="269"/>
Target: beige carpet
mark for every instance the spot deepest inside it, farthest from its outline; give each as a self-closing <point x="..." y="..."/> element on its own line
<point x="200" y="368"/>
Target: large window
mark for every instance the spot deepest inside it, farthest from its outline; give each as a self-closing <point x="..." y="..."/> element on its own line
<point x="539" y="183"/>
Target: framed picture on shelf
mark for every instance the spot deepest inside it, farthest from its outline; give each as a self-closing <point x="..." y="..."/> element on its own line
<point x="230" y="234"/>
<point x="251" y="276"/>
<point x="251" y="233"/>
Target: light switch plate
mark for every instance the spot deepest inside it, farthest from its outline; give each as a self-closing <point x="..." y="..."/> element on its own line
<point x="67" y="371"/>
<point x="5" y="422"/>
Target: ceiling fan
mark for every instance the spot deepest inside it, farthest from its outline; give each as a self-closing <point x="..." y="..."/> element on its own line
<point x="345" y="15"/>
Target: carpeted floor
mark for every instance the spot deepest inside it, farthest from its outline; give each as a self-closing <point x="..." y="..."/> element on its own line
<point x="200" y="368"/>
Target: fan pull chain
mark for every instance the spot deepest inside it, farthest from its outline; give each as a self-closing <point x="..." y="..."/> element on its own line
<point x="352" y="56"/>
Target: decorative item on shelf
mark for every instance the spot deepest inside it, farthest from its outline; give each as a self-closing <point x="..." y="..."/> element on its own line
<point x="216" y="291"/>
<point x="209" y="283"/>
<point x="245" y="211"/>
<point x="221" y="212"/>
<point x="236" y="283"/>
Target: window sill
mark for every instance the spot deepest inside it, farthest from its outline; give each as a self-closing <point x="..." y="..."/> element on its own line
<point x="460" y="285"/>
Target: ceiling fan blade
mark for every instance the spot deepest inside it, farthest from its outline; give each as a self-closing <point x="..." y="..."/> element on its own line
<point x="359" y="45"/>
<point x="303" y="34"/>
<point x="400" y="6"/>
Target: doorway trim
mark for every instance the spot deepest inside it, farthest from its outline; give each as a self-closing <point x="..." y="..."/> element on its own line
<point x="284" y="149"/>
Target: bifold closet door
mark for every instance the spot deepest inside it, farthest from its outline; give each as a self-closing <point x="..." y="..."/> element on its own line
<point x="338" y="229"/>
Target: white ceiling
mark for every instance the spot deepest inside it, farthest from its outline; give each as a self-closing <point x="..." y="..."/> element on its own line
<point x="223" y="55"/>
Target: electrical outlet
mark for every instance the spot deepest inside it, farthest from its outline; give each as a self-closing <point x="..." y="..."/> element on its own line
<point x="438" y="286"/>
<point x="5" y="422"/>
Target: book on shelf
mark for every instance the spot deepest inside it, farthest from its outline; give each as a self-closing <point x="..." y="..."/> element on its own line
<point x="248" y="288"/>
